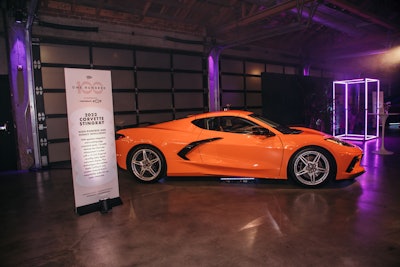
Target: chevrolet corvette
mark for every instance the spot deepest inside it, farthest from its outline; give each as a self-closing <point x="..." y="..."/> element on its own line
<point x="235" y="143"/>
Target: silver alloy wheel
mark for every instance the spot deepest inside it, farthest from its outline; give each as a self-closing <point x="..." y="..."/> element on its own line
<point x="311" y="167"/>
<point x="146" y="164"/>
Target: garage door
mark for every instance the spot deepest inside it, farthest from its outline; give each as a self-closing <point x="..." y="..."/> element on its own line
<point x="241" y="84"/>
<point x="149" y="86"/>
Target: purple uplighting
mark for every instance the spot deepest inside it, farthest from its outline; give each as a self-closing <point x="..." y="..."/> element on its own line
<point x="18" y="56"/>
<point x="18" y="66"/>
<point x="306" y="70"/>
<point x="211" y="77"/>
<point x="213" y="80"/>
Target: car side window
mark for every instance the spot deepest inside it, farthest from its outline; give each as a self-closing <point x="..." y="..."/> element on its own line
<point x="212" y="124"/>
<point x="237" y="125"/>
<point x="226" y="124"/>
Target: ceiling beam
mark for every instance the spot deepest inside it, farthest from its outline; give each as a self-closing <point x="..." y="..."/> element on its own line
<point x="249" y="38"/>
<point x="263" y="14"/>
<point x="366" y="15"/>
<point x="331" y="21"/>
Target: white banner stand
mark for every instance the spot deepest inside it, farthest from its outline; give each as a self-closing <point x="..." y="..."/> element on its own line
<point x="92" y="139"/>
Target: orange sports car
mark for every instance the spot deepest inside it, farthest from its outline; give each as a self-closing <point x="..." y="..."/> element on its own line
<point x="235" y="143"/>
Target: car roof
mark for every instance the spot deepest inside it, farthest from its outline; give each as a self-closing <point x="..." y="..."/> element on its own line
<point x="224" y="113"/>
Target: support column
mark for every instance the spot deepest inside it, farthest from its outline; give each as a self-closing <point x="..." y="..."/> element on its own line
<point x="213" y="79"/>
<point x="19" y="93"/>
<point x="21" y="83"/>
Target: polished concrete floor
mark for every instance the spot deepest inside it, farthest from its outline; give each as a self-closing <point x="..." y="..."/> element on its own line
<point x="187" y="222"/>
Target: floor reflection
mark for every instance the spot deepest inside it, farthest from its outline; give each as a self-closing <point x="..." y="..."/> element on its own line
<point x="206" y="222"/>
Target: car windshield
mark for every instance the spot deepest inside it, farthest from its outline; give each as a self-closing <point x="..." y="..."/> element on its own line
<point x="282" y="128"/>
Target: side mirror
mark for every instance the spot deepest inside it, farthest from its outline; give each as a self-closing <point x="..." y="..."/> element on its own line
<point x="262" y="131"/>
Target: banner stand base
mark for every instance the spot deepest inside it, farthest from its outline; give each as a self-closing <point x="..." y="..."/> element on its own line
<point x="103" y="206"/>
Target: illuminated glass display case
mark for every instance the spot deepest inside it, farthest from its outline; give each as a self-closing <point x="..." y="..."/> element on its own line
<point x="355" y="109"/>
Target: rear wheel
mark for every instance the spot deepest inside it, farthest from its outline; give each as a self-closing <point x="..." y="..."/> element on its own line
<point x="147" y="164"/>
<point x="312" y="167"/>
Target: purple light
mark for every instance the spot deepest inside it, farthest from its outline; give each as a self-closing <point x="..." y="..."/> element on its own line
<point x="306" y="70"/>
<point x="368" y="108"/>
<point x="211" y="67"/>
<point x="371" y="160"/>
<point x="18" y="57"/>
<point x="18" y="65"/>
<point x="211" y="78"/>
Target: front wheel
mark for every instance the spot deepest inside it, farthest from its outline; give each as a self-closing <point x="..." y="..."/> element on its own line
<point x="147" y="164"/>
<point x="312" y="167"/>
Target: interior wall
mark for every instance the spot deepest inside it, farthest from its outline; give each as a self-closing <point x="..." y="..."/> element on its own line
<point x="241" y="81"/>
<point x="3" y="56"/>
<point x="3" y="44"/>
<point x="297" y="100"/>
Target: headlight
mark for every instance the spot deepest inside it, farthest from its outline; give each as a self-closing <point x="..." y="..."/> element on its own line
<point x="338" y="142"/>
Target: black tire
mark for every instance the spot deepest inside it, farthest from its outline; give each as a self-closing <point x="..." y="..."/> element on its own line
<point x="312" y="167"/>
<point x="147" y="164"/>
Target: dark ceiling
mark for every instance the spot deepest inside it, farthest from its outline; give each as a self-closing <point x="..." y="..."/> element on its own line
<point x="306" y="29"/>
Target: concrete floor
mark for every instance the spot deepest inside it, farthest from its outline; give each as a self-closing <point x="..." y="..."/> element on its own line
<point x="187" y="222"/>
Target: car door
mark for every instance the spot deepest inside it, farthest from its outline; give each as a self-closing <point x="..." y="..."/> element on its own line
<point x="240" y="151"/>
